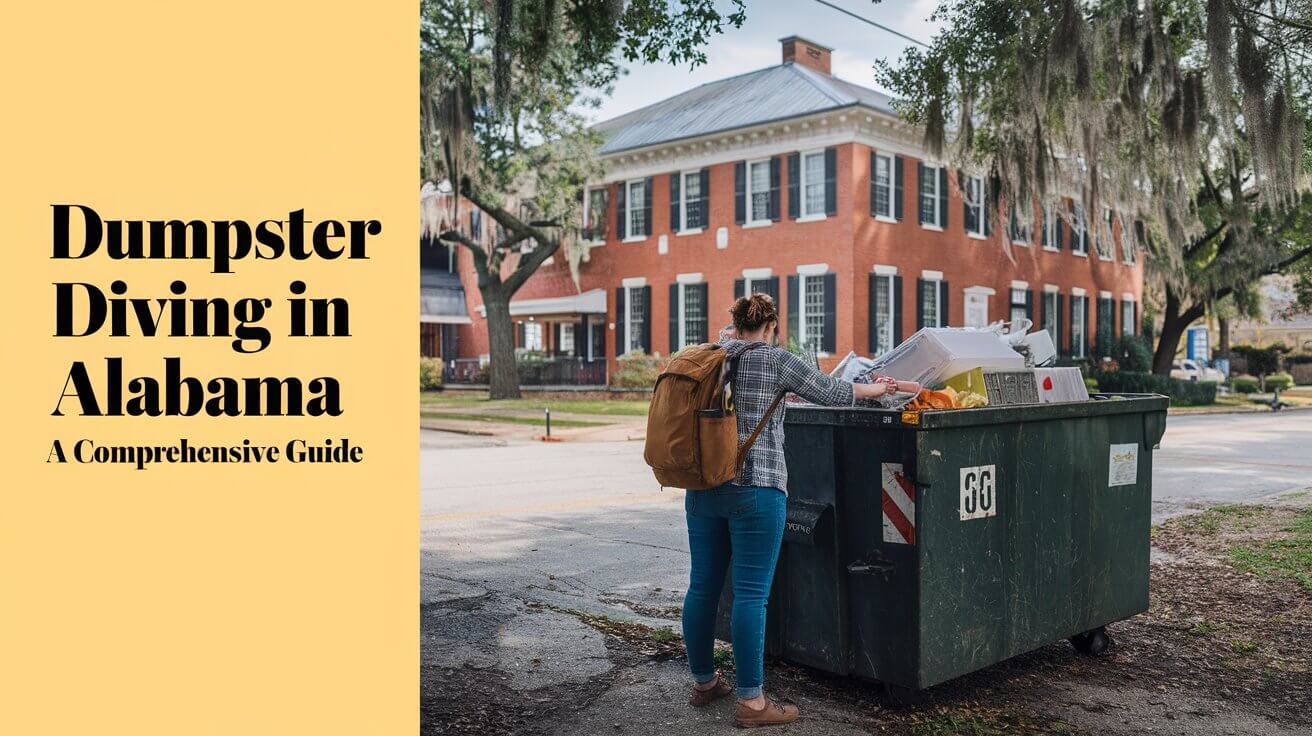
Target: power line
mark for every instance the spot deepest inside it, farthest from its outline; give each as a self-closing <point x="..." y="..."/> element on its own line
<point x="880" y="26"/>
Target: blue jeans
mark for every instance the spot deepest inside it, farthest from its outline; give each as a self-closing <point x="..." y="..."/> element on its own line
<point x="750" y="521"/>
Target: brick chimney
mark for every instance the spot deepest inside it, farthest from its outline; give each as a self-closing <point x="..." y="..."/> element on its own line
<point x="807" y="53"/>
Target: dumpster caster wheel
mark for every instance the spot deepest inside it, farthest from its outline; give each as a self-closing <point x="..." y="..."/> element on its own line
<point x="1094" y="643"/>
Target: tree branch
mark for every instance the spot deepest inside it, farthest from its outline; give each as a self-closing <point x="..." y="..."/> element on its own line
<point x="1198" y="244"/>
<point x="529" y="263"/>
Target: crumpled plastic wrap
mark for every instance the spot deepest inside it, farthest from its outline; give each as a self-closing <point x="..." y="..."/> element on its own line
<point x="857" y="369"/>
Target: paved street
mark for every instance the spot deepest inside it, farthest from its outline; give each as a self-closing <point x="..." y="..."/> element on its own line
<point x="583" y="527"/>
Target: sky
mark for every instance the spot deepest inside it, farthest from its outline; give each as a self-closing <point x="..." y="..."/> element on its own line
<point x="755" y="45"/>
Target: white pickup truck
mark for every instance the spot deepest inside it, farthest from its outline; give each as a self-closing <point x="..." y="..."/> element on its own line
<point x="1192" y="370"/>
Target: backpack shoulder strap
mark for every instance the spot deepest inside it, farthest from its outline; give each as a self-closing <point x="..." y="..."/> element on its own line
<point x="751" y="439"/>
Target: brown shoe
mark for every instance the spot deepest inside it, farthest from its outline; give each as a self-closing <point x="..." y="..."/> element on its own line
<point x="702" y="698"/>
<point x="773" y="714"/>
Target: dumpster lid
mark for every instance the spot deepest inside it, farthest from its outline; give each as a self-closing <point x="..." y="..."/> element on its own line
<point x="1103" y="405"/>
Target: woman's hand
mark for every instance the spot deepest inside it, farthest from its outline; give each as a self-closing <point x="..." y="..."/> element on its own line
<point x="870" y="390"/>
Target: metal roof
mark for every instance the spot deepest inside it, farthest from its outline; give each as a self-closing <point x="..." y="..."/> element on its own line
<point x="774" y="93"/>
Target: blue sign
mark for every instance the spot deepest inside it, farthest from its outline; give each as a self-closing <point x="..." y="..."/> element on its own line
<point x="1197" y="346"/>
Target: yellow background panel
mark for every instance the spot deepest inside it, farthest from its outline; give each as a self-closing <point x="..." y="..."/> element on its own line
<point x="210" y="599"/>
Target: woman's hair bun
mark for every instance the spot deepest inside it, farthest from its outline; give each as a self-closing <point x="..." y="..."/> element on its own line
<point x="750" y="313"/>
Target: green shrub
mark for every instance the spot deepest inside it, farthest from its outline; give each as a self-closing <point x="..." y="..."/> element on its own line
<point x="1279" y="381"/>
<point x="430" y="373"/>
<point x="1182" y="393"/>
<point x="1244" y="384"/>
<point x="637" y="370"/>
<point x="1133" y="354"/>
<point x="1091" y="384"/>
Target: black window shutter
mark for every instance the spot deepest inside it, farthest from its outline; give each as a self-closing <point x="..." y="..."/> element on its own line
<point x="620" y="314"/>
<point x="1058" y="322"/>
<point x="740" y="192"/>
<point x="831" y="183"/>
<point x="1043" y="312"/>
<point x="555" y="338"/>
<point x="897" y="310"/>
<point x="1134" y="329"/>
<point x="968" y="214"/>
<point x="646" y="210"/>
<point x="943" y="292"/>
<point x="984" y="206"/>
<point x="739" y="288"/>
<point x="920" y="192"/>
<point x="876" y="293"/>
<point x="872" y="185"/>
<point x="704" y="216"/>
<point x="674" y="317"/>
<point x="1071" y="327"/>
<point x="521" y="339"/>
<point x="774" y="188"/>
<point x="706" y="313"/>
<point x="674" y="202"/>
<point x="1029" y="304"/>
<point x="920" y="303"/>
<point x="831" y="307"/>
<point x="943" y="197"/>
<point x="792" y="308"/>
<point x="1088" y="336"/>
<point x="897" y="188"/>
<point x="646" y="321"/>
<point x="1061" y="230"/>
<point x="621" y="214"/>
<point x="1043" y="227"/>
<point x="794" y="186"/>
<point x="771" y="287"/>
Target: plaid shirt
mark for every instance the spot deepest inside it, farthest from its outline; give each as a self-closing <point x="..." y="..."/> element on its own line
<point x="760" y="375"/>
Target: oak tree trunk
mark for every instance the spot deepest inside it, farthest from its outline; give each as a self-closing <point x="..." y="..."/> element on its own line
<point x="503" y="376"/>
<point x="1175" y="320"/>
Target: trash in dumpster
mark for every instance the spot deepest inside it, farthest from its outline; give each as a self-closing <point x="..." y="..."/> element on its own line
<point x="934" y="354"/>
<point x="1060" y="384"/>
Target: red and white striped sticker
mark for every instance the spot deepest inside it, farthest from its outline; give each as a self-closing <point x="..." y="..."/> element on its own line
<point x="899" y="505"/>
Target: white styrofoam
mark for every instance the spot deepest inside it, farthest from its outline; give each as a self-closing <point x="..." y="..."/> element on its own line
<point x="935" y="354"/>
<point x="1060" y="384"/>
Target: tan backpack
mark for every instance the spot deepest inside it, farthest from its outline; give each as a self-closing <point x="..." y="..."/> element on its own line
<point x="692" y="429"/>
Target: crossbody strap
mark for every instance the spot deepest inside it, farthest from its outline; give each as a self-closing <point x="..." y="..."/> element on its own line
<point x="751" y="440"/>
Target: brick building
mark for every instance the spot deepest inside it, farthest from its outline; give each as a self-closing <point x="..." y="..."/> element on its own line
<point x="792" y="181"/>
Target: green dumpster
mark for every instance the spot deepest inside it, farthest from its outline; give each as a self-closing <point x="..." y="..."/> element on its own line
<point x="920" y="547"/>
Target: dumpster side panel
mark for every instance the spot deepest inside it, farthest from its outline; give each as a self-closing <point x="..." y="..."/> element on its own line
<point x="963" y="557"/>
<point x="880" y="567"/>
<point x="809" y="582"/>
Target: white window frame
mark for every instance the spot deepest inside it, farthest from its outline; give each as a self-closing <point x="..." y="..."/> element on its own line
<point x="1130" y="254"/>
<point x="888" y="277"/>
<point x="1013" y="303"/>
<point x="932" y="174"/>
<point x="1107" y="220"/>
<point x="538" y="342"/>
<point x="566" y="338"/>
<point x="629" y="237"/>
<point x="587" y="213"/>
<point x="683" y="201"/>
<point x="683" y="310"/>
<point x="887" y="158"/>
<point x="972" y="293"/>
<point x="938" y="299"/>
<point x="1127" y="325"/>
<point x="975" y="183"/>
<point x="1025" y="231"/>
<point x="1079" y="232"/>
<point x="805" y="215"/>
<point x="628" y="318"/>
<point x="1051" y="221"/>
<point x="803" y="337"/>
<point x="1050" y="312"/>
<point x="750" y="222"/>
<point x="1083" y="314"/>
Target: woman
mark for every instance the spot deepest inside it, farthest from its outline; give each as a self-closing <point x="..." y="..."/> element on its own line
<point x="747" y="515"/>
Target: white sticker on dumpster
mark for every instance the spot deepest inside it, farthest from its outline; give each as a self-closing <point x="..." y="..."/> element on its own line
<point x="978" y="492"/>
<point x="1123" y="465"/>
